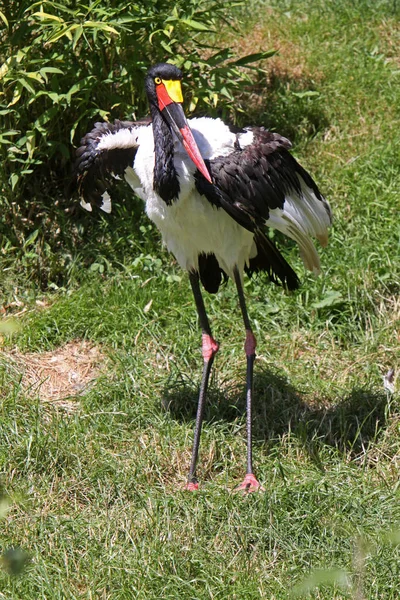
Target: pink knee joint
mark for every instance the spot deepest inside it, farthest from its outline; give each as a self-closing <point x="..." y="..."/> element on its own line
<point x="209" y="346"/>
<point x="250" y="343"/>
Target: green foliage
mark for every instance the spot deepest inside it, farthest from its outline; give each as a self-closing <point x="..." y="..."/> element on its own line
<point x="66" y="65"/>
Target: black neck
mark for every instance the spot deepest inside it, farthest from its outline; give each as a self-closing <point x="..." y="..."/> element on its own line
<point x="165" y="178"/>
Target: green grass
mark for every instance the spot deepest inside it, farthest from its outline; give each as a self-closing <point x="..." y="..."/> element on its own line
<point x="94" y="492"/>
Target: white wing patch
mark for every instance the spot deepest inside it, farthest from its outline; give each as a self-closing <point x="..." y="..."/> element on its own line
<point x="303" y="215"/>
<point x="246" y="139"/>
<point x="86" y="205"/>
<point x="212" y="136"/>
<point x="133" y="180"/>
<point x="106" y="205"/>
<point x="123" y="138"/>
<point x="316" y="213"/>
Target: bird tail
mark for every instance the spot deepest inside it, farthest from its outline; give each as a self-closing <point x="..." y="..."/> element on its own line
<point x="270" y="260"/>
<point x="305" y="214"/>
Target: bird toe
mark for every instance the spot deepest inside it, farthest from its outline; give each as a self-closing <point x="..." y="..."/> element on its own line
<point x="249" y="484"/>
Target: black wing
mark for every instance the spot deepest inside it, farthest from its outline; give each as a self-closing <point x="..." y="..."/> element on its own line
<point x="104" y="153"/>
<point x="251" y="182"/>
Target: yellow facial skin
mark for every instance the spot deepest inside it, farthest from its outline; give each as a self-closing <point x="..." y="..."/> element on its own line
<point x="174" y="89"/>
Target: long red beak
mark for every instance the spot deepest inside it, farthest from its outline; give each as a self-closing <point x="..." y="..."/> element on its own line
<point x="174" y="115"/>
<point x="193" y="151"/>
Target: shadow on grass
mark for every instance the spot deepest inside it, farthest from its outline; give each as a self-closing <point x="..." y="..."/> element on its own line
<point x="348" y="424"/>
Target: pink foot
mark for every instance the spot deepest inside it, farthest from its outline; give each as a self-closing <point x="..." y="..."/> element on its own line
<point x="250" y="343"/>
<point x="209" y="346"/>
<point x="249" y="484"/>
<point x="192" y="486"/>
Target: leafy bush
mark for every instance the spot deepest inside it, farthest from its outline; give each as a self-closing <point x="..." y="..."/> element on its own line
<point x="66" y="65"/>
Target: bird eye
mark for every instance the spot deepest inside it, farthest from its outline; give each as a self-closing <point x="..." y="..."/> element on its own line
<point x="157" y="80"/>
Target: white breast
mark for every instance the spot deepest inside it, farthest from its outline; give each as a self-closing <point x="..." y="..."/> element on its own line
<point x="191" y="225"/>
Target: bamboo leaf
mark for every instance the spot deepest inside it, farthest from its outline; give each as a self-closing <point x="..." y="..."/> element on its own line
<point x="77" y="36"/>
<point x="51" y="70"/>
<point x="47" y="70"/>
<point x="24" y="83"/>
<point x="100" y="25"/>
<point x="65" y="31"/>
<point x="196" y="25"/>
<point x="219" y="57"/>
<point x="4" y="19"/>
<point x="167" y="47"/>
<point x="94" y="113"/>
<point x="30" y="143"/>
<point x="45" y="118"/>
<point x="48" y="16"/>
<point x="3" y="70"/>
<point x="14" y="180"/>
<point x="16" y="95"/>
<point x="250" y="58"/>
<point x="36" y="76"/>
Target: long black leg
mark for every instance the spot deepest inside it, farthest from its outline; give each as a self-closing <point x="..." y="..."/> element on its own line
<point x="250" y="483"/>
<point x="209" y="349"/>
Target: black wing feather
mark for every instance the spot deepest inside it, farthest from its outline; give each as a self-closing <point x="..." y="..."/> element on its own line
<point x="94" y="167"/>
<point x="210" y="272"/>
<point x="271" y="261"/>
<point x="249" y="183"/>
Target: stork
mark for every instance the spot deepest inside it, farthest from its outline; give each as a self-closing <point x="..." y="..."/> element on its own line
<point x="213" y="192"/>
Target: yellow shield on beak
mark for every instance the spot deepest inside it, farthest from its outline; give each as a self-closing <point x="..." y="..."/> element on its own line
<point x="174" y="89"/>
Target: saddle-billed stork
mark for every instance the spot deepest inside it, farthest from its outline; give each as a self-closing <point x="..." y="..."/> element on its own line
<point x="213" y="193"/>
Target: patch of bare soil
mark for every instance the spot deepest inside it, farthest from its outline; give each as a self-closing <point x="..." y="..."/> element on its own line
<point x="290" y="61"/>
<point x="286" y="68"/>
<point x="59" y="375"/>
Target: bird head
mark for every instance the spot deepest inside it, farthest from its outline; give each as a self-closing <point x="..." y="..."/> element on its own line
<point x="164" y="91"/>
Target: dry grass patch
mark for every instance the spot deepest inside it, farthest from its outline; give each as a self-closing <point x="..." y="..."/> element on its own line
<point x="57" y="375"/>
<point x="389" y="33"/>
<point x="290" y="63"/>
